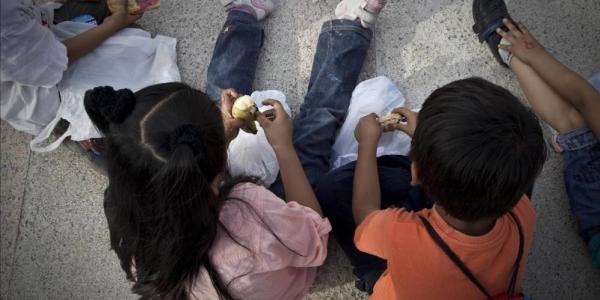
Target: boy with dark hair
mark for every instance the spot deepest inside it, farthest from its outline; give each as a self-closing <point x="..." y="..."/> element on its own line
<point x="475" y="152"/>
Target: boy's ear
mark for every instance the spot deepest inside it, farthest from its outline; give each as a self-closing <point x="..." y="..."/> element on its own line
<point x="414" y="175"/>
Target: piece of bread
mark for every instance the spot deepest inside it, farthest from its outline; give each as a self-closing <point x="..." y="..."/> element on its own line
<point x="391" y="119"/>
<point x="244" y="109"/>
<point x="135" y="6"/>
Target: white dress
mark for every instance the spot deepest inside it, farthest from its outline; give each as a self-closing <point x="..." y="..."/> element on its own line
<point x="32" y="63"/>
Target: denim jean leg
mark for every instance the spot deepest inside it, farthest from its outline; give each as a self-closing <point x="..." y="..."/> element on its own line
<point x="235" y="57"/>
<point x="581" y="156"/>
<point x="341" y="52"/>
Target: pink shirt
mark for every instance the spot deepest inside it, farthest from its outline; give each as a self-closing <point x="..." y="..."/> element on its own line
<point x="267" y="226"/>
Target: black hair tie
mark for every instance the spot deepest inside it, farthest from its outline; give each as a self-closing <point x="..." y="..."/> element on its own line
<point x="105" y="105"/>
<point x="189" y="135"/>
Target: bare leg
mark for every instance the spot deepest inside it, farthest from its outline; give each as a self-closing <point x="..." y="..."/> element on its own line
<point x="546" y="103"/>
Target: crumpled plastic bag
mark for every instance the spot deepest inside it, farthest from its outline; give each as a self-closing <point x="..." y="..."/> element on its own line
<point x="252" y="155"/>
<point x="378" y="95"/>
<point x="129" y="59"/>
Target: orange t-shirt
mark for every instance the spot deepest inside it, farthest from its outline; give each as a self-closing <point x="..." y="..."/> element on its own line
<point x="419" y="269"/>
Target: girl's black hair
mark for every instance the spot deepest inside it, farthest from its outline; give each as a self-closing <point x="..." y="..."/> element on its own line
<point x="165" y="146"/>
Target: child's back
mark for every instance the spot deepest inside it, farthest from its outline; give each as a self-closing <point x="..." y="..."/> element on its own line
<point x="476" y="151"/>
<point x="419" y="269"/>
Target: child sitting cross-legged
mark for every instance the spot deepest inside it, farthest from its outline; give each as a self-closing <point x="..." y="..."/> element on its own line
<point x="476" y="151"/>
<point x="561" y="98"/>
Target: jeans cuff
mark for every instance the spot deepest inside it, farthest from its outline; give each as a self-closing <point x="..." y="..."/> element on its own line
<point x="236" y="15"/>
<point x="347" y="25"/>
<point x="574" y="140"/>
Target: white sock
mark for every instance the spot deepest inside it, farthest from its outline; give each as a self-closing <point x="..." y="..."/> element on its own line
<point x="506" y="56"/>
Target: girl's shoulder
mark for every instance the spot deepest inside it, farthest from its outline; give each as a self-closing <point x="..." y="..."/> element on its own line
<point x="252" y="196"/>
<point x="250" y="190"/>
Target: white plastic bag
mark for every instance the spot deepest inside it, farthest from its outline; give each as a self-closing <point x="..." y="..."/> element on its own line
<point x="252" y="155"/>
<point x="130" y="59"/>
<point x="378" y="95"/>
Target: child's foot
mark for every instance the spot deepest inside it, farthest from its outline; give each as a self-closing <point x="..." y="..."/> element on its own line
<point x="364" y="10"/>
<point x="258" y="8"/>
<point x="488" y="16"/>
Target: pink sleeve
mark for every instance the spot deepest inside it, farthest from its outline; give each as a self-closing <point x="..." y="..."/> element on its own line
<point x="300" y="229"/>
<point x="285" y="234"/>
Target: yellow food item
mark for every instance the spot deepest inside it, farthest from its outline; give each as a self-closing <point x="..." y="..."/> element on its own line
<point x="134" y="6"/>
<point x="390" y="119"/>
<point x="244" y="109"/>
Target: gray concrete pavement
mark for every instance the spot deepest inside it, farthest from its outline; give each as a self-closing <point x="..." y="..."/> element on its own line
<point x="54" y="242"/>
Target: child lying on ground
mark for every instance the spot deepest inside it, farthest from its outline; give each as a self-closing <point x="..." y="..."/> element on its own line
<point x="33" y="60"/>
<point x="571" y="106"/>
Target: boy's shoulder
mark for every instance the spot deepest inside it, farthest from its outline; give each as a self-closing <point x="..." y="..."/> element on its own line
<point x="399" y="216"/>
<point x="403" y="225"/>
<point x="525" y="213"/>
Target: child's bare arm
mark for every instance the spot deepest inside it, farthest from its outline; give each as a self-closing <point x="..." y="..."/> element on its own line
<point x="84" y="43"/>
<point x="568" y="84"/>
<point x="366" y="196"/>
<point x="279" y="134"/>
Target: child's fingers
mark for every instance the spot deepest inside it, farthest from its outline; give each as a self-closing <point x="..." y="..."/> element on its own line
<point x="230" y="93"/>
<point x="401" y="127"/>
<point x="505" y="35"/>
<point x="511" y="28"/>
<point x="407" y="114"/>
<point x="227" y="99"/>
<point x="269" y="114"/>
<point x="523" y="28"/>
<point x="372" y="117"/>
<point x="402" y="111"/>
<point x="276" y="105"/>
<point x="505" y="47"/>
<point x="262" y="120"/>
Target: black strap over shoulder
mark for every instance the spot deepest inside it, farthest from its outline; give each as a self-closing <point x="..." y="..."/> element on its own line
<point x="459" y="263"/>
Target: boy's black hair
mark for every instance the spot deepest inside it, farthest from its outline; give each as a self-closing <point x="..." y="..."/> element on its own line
<point x="477" y="149"/>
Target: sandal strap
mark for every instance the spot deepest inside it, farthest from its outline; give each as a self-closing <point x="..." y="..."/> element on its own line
<point x="489" y="22"/>
<point x="490" y="29"/>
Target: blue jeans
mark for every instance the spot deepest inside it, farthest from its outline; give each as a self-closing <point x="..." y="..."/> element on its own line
<point x="341" y="52"/>
<point x="235" y="57"/>
<point x="580" y="149"/>
<point x="581" y="156"/>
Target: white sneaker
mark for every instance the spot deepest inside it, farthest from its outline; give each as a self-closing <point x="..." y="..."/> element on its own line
<point x="364" y="10"/>
<point x="258" y="8"/>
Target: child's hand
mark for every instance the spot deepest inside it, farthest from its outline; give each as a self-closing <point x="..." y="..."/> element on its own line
<point x="232" y="126"/>
<point x="523" y="44"/>
<point x="411" y="120"/>
<point x="369" y="130"/>
<point x="278" y="127"/>
<point x="121" y="17"/>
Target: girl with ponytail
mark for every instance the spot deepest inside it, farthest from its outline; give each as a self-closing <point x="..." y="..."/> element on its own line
<point x="183" y="229"/>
